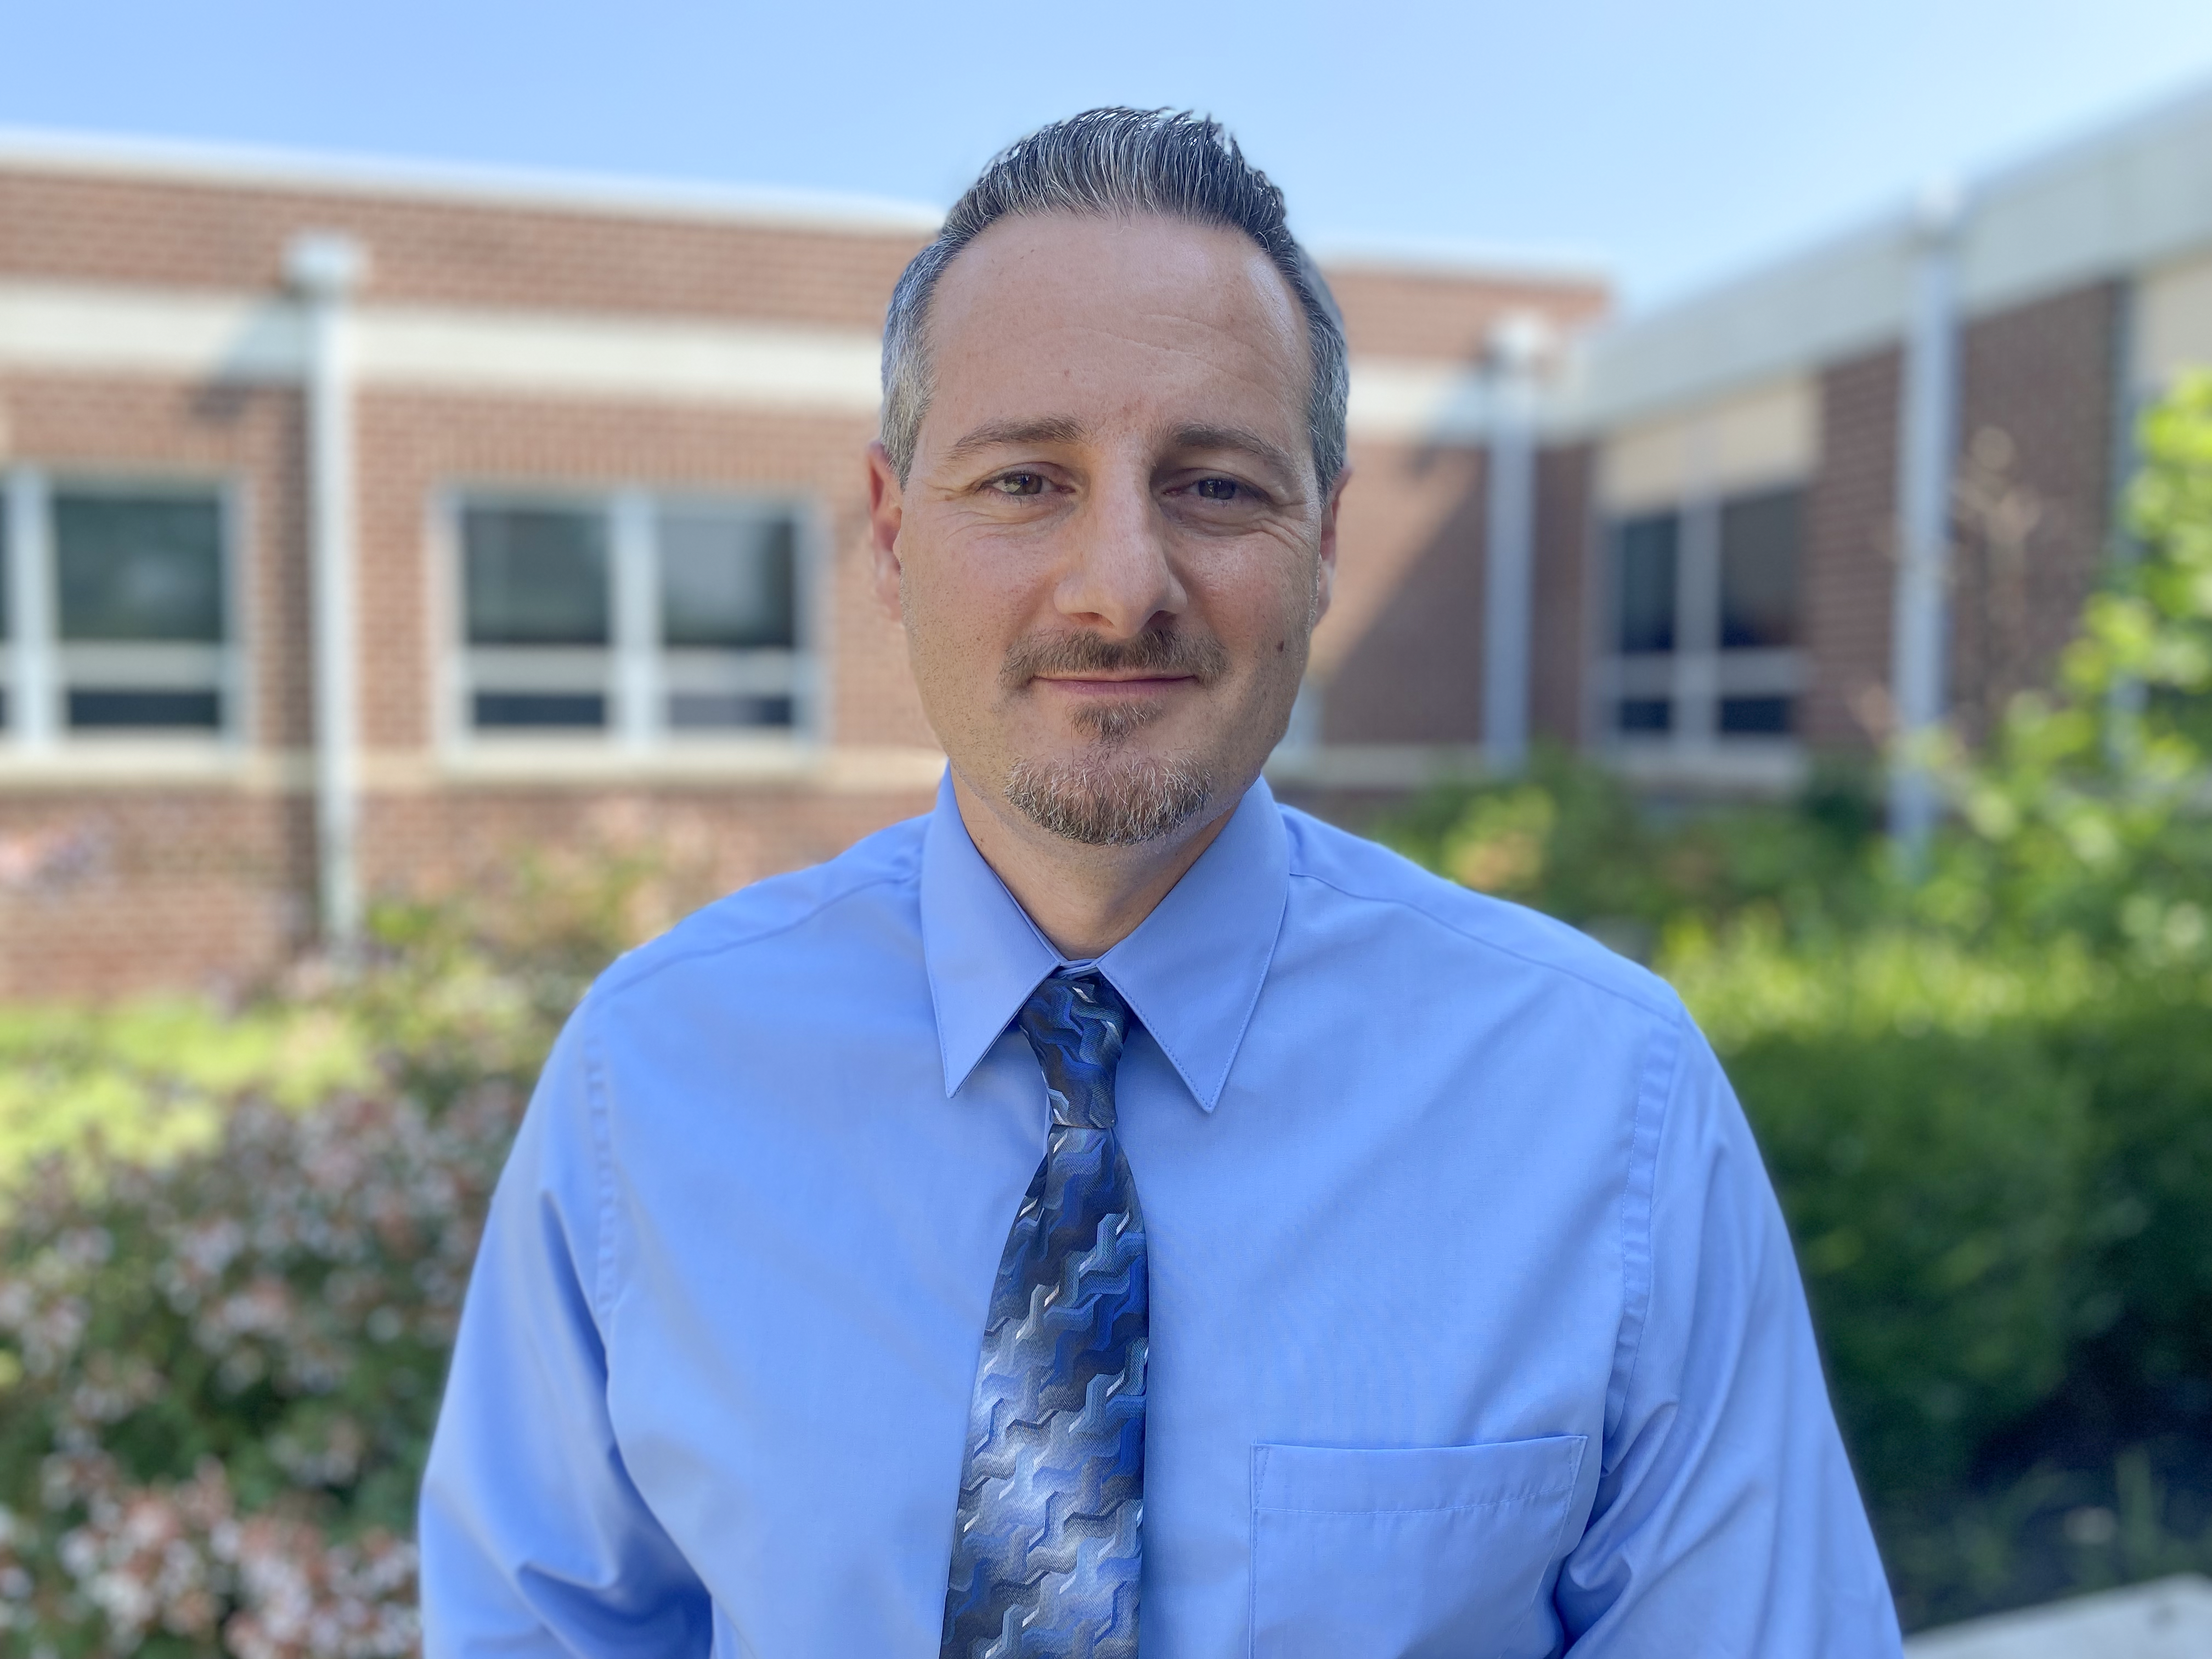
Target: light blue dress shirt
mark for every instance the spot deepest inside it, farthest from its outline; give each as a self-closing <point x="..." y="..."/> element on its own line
<point x="1475" y="1330"/>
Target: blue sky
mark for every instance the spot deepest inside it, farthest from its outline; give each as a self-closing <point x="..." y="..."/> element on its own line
<point x="1671" y="141"/>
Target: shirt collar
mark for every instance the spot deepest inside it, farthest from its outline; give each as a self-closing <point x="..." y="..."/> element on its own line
<point x="1191" y="972"/>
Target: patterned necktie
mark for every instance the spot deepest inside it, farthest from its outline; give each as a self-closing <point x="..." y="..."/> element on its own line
<point x="1046" y="1550"/>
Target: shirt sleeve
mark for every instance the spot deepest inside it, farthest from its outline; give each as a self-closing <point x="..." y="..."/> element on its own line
<point x="533" y="1539"/>
<point x="1727" y="1521"/>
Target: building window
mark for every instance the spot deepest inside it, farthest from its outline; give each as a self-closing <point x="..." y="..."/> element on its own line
<point x="1648" y="557"/>
<point x="116" y="610"/>
<point x="1704" y="625"/>
<point x="538" y="617"/>
<point x="634" y="618"/>
<point x="1759" y="540"/>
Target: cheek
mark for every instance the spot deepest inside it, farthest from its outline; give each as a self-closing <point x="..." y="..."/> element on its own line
<point x="1263" y="604"/>
<point x="960" y="616"/>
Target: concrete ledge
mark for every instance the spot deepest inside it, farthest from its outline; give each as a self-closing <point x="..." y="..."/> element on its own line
<point x="2168" y="1618"/>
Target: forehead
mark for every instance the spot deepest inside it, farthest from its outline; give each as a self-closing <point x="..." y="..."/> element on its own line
<point x="1144" y="320"/>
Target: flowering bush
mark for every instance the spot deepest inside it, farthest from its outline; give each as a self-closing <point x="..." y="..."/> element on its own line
<point x="233" y="1249"/>
<point x="222" y="1373"/>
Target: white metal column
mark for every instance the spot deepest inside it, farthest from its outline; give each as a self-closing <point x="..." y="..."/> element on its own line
<point x="637" y="578"/>
<point x="34" y="687"/>
<point x="325" y="268"/>
<point x="1509" y="541"/>
<point x="1928" y="441"/>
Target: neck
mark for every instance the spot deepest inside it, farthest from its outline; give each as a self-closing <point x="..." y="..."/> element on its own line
<point x="1085" y="899"/>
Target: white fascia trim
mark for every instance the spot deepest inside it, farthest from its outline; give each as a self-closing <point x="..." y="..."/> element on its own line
<point x="834" y="370"/>
<point x="2133" y="196"/>
<point x="1833" y="302"/>
<point x="2136" y="196"/>
<point x="253" y="166"/>
<point x="87" y="328"/>
<point x="1411" y="400"/>
<point x="1459" y="260"/>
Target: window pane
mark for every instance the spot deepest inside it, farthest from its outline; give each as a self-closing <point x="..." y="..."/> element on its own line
<point x="139" y="566"/>
<point x="726" y="578"/>
<point x="1760" y="536"/>
<point x="1646" y="715"/>
<point x="535" y="575"/>
<point x="701" y="711"/>
<point x="1647" y="582"/>
<point x="132" y="708"/>
<point x="543" y="709"/>
<point x="1757" y="716"/>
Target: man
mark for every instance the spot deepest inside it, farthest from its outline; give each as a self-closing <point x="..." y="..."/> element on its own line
<point x="1114" y="1191"/>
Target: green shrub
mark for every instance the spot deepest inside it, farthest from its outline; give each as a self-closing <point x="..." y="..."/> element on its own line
<point x="1572" y="840"/>
<point x="1933" y="1182"/>
<point x="2148" y="1062"/>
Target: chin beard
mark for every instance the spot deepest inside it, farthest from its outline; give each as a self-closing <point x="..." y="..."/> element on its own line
<point x="1109" y="801"/>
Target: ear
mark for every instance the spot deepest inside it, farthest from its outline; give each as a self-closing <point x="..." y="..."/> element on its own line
<point x="886" y="511"/>
<point x="1325" y="575"/>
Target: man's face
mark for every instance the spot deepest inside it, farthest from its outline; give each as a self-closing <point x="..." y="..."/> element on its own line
<point x="1111" y="549"/>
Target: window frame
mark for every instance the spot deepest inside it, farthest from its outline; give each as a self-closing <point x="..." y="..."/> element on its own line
<point x="634" y="675"/>
<point x="1699" y="674"/>
<point x="33" y="650"/>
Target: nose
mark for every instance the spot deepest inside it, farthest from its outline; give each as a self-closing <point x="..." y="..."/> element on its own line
<point x="1119" y="575"/>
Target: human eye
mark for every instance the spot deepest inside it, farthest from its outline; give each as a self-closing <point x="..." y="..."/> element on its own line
<point x="1018" y="485"/>
<point x="1219" y="490"/>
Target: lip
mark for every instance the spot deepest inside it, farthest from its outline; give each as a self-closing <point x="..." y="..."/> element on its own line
<point x="1106" y="685"/>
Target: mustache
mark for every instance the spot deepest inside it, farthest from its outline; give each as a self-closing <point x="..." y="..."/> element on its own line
<point x="1156" y="651"/>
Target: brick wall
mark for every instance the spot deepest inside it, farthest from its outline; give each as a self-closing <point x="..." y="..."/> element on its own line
<point x="1559" y="652"/>
<point x="1851" y="543"/>
<point x="1395" y="312"/>
<point x="2032" y="505"/>
<point x="1400" y="655"/>
<point x="108" y="890"/>
<point x="709" y="839"/>
<point x="449" y="253"/>
<point x="136" y="882"/>
<point x="2034" y="493"/>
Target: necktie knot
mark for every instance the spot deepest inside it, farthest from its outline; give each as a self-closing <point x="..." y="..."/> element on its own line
<point x="1076" y="1024"/>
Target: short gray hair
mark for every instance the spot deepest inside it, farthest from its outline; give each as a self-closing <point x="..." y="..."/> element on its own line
<point x="1116" y="162"/>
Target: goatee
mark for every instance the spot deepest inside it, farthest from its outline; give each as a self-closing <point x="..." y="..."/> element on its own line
<point x="1107" y="798"/>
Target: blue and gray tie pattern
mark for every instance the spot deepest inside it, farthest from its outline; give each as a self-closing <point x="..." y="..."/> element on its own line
<point x="1046" y="1552"/>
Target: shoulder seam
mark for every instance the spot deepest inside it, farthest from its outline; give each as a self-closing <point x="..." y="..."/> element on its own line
<point x="1660" y="1010"/>
<point x="617" y="981"/>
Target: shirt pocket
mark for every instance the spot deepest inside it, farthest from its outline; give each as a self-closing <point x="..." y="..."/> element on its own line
<point x="1438" y="1553"/>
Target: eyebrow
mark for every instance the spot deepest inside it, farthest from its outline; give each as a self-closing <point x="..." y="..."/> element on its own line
<point x="1068" y="429"/>
<point x="1241" y="439"/>
<point x="1040" y="429"/>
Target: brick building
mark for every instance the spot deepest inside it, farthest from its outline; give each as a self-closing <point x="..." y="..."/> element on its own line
<point x="366" y="524"/>
<point x="1868" y="487"/>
